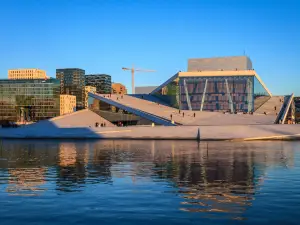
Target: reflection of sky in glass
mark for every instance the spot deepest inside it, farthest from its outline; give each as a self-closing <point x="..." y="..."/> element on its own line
<point x="259" y="89"/>
<point x="170" y="93"/>
<point x="149" y="181"/>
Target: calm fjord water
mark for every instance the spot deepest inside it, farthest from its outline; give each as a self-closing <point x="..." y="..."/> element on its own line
<point x="149" y="182"/>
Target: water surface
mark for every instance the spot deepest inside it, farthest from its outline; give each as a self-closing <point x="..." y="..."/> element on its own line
<point x="149" y="182"/>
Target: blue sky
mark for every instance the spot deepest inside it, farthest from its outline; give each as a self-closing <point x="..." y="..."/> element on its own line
<point x="103" y="36"/>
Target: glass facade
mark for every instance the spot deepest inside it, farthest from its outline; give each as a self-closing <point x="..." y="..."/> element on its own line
<point x="114" y="114"/>
<point x="170" y="93"/>
<point x="260" y="94"/>
<point x="214" y="93"/>
<point x="29" y="100"/>
<point x="102" y="82"/>
<point x="73" y="83"/>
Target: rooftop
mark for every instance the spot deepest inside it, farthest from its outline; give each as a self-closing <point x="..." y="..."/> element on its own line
<point x="218" y="63"/>
<point x="18" y="81"/>
<point x="26" y="69"/>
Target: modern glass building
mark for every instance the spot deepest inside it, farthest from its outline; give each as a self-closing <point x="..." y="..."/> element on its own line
<point x="29" y="100"/>
<point x="102" y="82"/>
<point x="73" y="83"/>
<point x="231" y="90"/>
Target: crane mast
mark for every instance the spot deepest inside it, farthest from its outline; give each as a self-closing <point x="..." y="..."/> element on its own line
<point x="133" y="70"/>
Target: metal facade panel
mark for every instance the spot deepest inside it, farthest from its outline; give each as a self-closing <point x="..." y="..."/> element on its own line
<point x="144" y="90"/>
<point x="219" y="63"/>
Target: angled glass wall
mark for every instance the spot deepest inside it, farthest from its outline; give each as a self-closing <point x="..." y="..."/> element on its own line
<point x="260" y="94"/>
<point x="214" y="93"/>
<point x="217" y="93"/>
<point x="170" y="93"/>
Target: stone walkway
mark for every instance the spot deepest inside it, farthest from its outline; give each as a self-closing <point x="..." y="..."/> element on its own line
<point x="269" y="106"/>
<point x="240" y="132"/>
<point x="82" y="118"/>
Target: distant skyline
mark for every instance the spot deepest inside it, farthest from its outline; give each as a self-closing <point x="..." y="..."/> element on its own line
<point x="105" y="35"/>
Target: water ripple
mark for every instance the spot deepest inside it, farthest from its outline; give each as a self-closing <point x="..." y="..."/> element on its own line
<point x="126" y="182"/>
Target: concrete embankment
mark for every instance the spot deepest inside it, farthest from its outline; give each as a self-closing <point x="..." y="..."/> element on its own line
<point x="213" y="133"/>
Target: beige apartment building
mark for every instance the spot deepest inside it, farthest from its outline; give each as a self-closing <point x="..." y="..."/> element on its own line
<point x="67" y="104"/>
<point x="16" y="74"/>
<point x="88" y="89"/>
<point x="118" y="88"/>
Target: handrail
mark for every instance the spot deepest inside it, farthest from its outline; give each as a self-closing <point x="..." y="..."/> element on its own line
<point x="286" y="110"/>
<point x="137" y="112"/>
<point x="281" y="117"/>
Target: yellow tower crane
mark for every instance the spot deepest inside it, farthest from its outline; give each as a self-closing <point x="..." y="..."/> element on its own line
<point x="132" y="74"/>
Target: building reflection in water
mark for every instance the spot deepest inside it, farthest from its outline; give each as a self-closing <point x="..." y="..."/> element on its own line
<point x="26" y="164"/>
<point x="209" y="177"/>
<point x="221" y="177"/>
<point x="72" y="161"/>
<point x="26" y="181"/>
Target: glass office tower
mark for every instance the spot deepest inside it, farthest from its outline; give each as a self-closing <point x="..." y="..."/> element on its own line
<point x="29" y="100"/>
<point x="102" y="82"/>
<point x="73" y="83"/>
<point x="236" y="91"/>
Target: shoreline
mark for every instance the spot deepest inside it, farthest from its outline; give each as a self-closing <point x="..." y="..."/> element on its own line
<point x="197" y="133"/>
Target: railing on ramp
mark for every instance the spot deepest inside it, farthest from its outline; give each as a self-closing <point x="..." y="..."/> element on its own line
<point x="283" y="113"/>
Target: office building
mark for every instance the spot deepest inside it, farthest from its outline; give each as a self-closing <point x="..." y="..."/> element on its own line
<point x="118" y="88"/>
<point x="102" y="82"/>
<point x="72" y="83"/>
<point x="29" y="100"/>
<point x="33" y="100"/>
<point x="16" y="74"/>
<point x="86" y="97"/>
<point x="224" y="84"/>
<point x="67" y="104"/>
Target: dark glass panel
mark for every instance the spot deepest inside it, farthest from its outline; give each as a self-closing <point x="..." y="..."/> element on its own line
<point x="217" y="93"/>
<point x="260" y="94"/>
<point x="170" y="93"/>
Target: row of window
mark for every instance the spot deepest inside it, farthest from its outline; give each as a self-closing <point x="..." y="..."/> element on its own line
<point x="26" y="71"/>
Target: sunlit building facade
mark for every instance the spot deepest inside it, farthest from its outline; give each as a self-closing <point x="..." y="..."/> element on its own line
<point x="72" y="82"/>
<point x="215" y="90"/>
<point x="67" y="104"/>
<point x="118" y="88"/>
<point x="17" y="74"/>
<point x="88" y="89"/>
